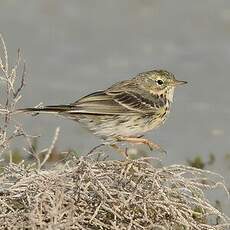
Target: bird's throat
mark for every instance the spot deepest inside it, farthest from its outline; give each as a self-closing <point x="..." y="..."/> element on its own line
<point x="169" y="94"/>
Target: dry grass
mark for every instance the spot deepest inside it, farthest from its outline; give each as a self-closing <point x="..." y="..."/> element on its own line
<point x="89" y="194"/>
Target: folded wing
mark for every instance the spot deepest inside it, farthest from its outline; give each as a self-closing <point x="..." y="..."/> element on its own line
<point x="113" y="102"/>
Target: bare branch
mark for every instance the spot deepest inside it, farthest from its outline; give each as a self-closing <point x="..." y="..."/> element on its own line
<point x="51" y="146"/>
<point x="22" y="81"/>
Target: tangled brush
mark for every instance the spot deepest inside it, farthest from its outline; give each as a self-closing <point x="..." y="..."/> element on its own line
<point x="89" y="194"/>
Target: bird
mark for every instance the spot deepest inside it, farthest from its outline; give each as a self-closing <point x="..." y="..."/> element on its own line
<point x="124" y="111"/>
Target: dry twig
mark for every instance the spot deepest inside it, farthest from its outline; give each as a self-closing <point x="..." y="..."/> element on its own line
<point x="13" y="85"/>
<point x="87" y="194"/>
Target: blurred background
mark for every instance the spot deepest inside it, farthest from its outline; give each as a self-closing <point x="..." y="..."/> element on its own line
<point x="73" y="48"/>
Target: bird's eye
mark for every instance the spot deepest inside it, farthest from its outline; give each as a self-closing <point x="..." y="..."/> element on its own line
<point x="160" y="82"/>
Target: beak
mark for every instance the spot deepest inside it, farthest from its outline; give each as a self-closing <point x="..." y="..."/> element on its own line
<point x="177" y="82"/>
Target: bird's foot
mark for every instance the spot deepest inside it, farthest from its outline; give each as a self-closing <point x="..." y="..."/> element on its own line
<point x="152" y="146"/>
<point x="139" y="140"/>
<point x="123" y="152"/>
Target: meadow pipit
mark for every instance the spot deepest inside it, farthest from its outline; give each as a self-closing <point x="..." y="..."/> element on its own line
<point x="124" y="111"/>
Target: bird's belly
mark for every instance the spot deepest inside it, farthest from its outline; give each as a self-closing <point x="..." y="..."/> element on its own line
<point x="109" y="127"/>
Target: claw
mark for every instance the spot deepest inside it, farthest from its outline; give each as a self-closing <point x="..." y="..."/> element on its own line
<point x="156" y="147"/>
<point x="121" y="151"/>
<point x="153" y="146"/>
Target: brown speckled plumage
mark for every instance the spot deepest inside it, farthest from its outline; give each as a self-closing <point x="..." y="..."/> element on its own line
<point x="125" y="110"/>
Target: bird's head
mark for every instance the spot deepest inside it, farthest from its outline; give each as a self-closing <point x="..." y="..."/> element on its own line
<point x="160" y="82"/>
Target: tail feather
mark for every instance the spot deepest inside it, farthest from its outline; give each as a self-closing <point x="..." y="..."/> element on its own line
<point x="47" y="109"/>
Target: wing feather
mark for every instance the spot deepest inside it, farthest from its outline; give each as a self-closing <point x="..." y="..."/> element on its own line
<point x="121" y="98"/>
<point x="134" y="101"/>
<point x="111" y="103"/>
<point x="98" y="103"/>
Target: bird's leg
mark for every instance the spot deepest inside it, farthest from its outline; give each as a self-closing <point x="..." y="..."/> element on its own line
<point x="94" y="148"/>
<point x="119" y="150"/>
<point x="139" y="140"/>
<point x="139" y="136"/>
